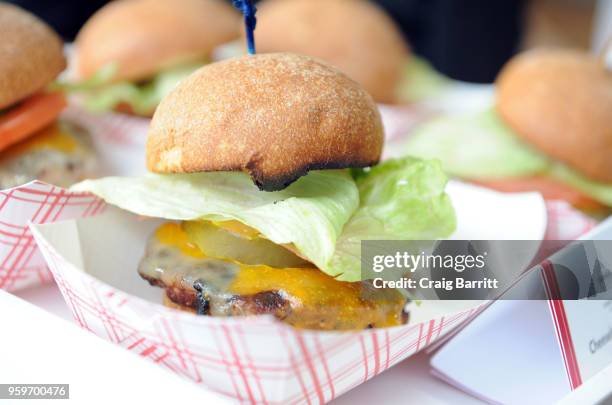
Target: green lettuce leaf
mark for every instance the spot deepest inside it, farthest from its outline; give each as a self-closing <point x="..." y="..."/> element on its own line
<point x="100" y="94"/>
<point x="598" y="191"/>
<point x="476" y="146"/>
<point x="310" y="213"/>
<point x="102" y="77"/>
<point x="324" y="214"/>
<point x="480" y="147"/>
<point x="421" y="81"/>
<point x="399" y="200"/>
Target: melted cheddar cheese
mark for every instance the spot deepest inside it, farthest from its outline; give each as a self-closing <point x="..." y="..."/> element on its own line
<point x="314" y="293"/>
<point x="316" y="300"/>
<point x="172" y="234"/>
<point x="51" y="137"/>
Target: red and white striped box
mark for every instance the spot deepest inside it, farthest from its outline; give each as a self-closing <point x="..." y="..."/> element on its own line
<point x="119" y="142"/>
<point x="21" y="264"/>
<point x="254" y="360"/>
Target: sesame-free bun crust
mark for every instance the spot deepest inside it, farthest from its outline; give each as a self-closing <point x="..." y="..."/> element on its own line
<point x="560" y="101"/>
<point x="31" y="54"/>
<point x="275" y="116"/>
<point x="355" y="36"/>
<point x="145" y="36"/>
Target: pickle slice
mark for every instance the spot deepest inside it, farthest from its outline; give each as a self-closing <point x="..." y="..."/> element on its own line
<point x="221" y="243"/>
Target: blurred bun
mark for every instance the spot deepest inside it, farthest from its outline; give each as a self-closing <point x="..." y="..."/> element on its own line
<point x="31" y="54"/>
<point x="275" y="116"/>
<point x="145" y="36"/>
<point x="560" y="101"/>
<point x="355" y="36"/>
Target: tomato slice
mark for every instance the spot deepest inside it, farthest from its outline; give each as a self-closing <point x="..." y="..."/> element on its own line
<point x="549" y="188"/>
<point x="31" y="115"/>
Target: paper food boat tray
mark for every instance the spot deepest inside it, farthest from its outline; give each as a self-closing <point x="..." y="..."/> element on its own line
<point x="256" y="360"/>
<point x="119" y="143"/>
<point x="259" y="359"/>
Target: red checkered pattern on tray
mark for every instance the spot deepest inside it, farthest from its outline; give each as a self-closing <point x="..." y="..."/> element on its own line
<point x="232" y="356"/>
<point x="21" y="265"/>
<point x="565" y="222"/>
<point x="117" y="128"/>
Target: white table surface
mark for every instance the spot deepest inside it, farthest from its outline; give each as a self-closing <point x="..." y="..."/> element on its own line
<point x="408" y="381"/>
<point x="37" y="347"/>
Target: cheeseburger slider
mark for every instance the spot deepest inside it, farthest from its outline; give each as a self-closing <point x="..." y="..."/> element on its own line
<point x="550" y="131"/>
<point x="132" y="52"/>
<point x="33" y="143"/>
<point x="356" y="36"/>
<point x="251" y="157"/>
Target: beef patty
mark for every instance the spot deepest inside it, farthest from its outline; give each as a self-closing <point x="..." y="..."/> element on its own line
<point x="302" y="297"/>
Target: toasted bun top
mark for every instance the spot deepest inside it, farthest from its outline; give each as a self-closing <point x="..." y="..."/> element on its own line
<point x="560" y="101"/>
<point x="355" y="36"/>
<point x="145" y="36"/>
<point x="275" y="116"/>
<point x="31" y="54"/>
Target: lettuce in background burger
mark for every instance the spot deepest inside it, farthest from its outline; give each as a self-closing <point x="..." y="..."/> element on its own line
<point x="550" y="131"/>
<point x="132" y="52"/>
<point x="270" y="165"/>
<point x="34" y="144"/>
